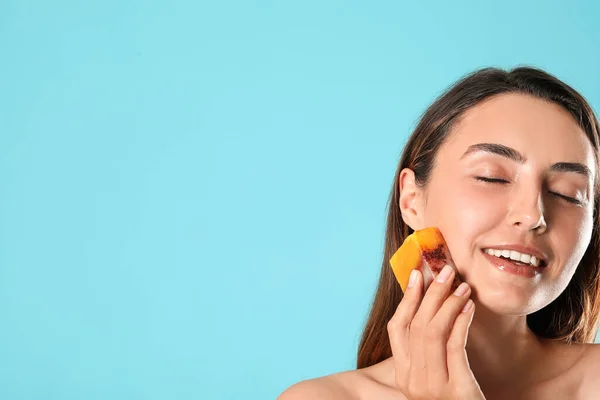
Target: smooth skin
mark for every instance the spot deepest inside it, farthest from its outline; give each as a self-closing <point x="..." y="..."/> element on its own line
<point x="445" y="354"/>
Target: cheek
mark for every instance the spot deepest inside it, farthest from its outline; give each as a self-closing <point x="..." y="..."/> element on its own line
<point x="569" y="242"/>
<point x="572" y="239"/>
<point x="463" y="213"/>
<point x="463" y="209"/>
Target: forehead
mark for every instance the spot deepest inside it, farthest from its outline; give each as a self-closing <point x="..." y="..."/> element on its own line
<point x="544" y="132"/>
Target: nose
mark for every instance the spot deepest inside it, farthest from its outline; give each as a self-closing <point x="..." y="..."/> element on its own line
<point x="526" y="211"/>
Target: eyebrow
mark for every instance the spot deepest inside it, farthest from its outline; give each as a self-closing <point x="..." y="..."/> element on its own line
<point x="514" y="155"/>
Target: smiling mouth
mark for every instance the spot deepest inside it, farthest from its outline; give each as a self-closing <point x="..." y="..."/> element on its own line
<point x="513" y="267"/>
<point x="516" y="258"/>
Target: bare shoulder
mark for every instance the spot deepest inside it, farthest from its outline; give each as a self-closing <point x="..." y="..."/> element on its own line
<point x="589" y="361"/>
<point x="360" y="384"/>
<point x="590" y="368"/>
<point x="331" y="387"/>
<point x="580" y="366"/>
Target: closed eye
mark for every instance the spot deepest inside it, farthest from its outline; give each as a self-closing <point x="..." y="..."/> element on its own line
<point x="491" y="180"/>
<point x="567" y="198"/>
<point x="504" y="181"/>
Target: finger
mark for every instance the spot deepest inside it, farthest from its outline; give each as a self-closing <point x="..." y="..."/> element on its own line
<point x="432" y="300"/>
<point x="434" y="297"/>
<point x="398" y="326"/>
<point x="458" y="363"/>
<point x="438" y="332"/>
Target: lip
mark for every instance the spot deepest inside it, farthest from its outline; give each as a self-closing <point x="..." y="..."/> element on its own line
<point x="505" y="265"/>
<point x="540" y="255"/>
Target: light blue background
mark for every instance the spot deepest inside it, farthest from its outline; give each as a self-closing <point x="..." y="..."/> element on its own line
<point x="192" y="194"/>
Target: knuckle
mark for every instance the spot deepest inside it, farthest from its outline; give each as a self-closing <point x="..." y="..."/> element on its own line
<point x="391" y="325"/>
<point x="454" y="346"/>
<point x="434" y="332"/>
<point x="434" y="390"/>
<point x="417" y="326"/>
<point x="394" y="325"/>
<point x="415" y="391"/>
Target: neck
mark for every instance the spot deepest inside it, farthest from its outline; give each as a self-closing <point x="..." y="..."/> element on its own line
<point x="503" y="350"/>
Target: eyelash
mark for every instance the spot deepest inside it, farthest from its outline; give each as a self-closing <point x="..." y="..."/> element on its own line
<point x="502" y="181"/>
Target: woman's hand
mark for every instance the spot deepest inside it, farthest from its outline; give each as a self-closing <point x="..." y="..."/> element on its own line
<point x="428" y="345"/>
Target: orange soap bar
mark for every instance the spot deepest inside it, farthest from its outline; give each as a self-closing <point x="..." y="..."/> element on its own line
<point x="425" y="250"/>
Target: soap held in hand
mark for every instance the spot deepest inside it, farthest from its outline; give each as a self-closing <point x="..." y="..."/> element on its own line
<point x="425" y="250"/>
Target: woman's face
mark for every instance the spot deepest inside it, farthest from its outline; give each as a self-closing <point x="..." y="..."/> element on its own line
<point x="543" y="198"/>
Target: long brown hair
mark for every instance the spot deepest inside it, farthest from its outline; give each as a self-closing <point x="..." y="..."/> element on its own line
<point x="574" y="315"/>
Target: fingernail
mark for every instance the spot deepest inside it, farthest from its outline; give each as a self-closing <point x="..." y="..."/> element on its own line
<point x="468" y="306"/>
<point x="412" y="279"/>
<point x="444" y="275"/>
<point x="461" y="289"/>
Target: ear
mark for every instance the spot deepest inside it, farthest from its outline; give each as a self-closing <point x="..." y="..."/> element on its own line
<point x="411" y="200"/>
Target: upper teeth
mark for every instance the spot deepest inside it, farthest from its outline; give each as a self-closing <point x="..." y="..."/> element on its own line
<point x="514" y="255"/>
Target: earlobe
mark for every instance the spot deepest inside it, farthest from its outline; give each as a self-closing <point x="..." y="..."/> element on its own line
<point x="410" y="200"/>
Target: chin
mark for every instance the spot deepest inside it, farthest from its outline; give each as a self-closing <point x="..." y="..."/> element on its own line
<point x="507" y="300"/>
<point x="503" y="292"/>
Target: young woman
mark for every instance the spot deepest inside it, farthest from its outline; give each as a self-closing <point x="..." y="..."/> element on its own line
<point x="505" y="163"/>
